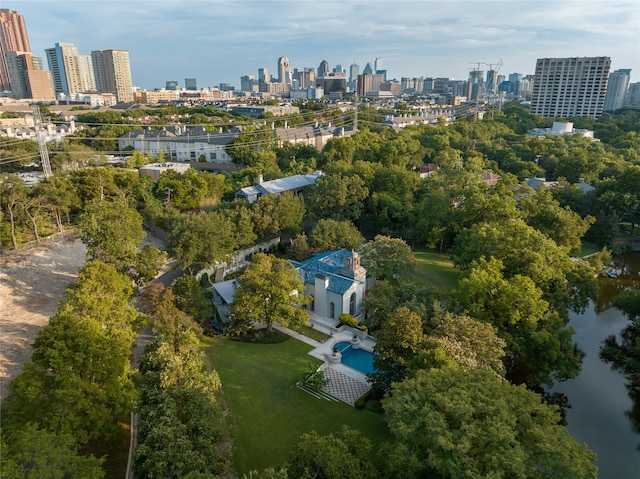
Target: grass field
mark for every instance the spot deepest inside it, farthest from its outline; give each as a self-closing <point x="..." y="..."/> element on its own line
<point x="586" y="249"/>
<point x="267" y="412"/>
<point x="435" y="269"/>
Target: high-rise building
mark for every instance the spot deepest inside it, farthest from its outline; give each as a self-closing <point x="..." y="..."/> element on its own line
<point x="264" y="76"/>
<point x="633" y="96"/>
<point x="171" y="85"/>
<point x="368" y="69"/>
<point x="248" y="83"/>
<point x="570" y="87"/>
<point x="113" y="73"/>
<point x="617" y="90"/>
<point x="13" y="38"/>
<point x="323" y="69"/>
<point x="284" y="70"/>
<point x="492" y="80"/>
<point x="64" y="63"/>
<point x="87" y="76"/>
<point x="28" y="79"/>
<point x="190" y="84"/>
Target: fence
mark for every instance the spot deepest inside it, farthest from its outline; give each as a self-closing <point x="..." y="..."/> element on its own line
<point x="40" y="242"/>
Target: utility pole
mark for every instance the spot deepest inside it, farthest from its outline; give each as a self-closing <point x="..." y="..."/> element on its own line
<point x="42" y="144"/>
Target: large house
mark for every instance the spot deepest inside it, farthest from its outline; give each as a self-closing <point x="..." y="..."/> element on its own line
<point x="336" y="281"/>
<point x="293" y="184"/>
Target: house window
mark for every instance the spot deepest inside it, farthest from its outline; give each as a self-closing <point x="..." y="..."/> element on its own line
<point x="332" y="310"/>
<point x="352" y="305"/>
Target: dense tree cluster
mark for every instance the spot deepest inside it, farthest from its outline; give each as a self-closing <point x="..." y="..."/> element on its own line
<point x="452" y="366"/>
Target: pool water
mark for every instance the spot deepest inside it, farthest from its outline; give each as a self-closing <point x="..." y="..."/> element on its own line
<point x="358" y="359"/>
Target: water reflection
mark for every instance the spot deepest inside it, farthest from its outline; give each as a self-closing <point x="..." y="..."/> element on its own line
<point x="600" y="411"/>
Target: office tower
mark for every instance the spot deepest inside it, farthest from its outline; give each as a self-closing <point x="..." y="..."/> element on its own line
<point x="368" y="70"/>
<point x="263" y="76"/>
<point x="323" y="69"/>
<point x="369" y="83"/>
<point x="190" y="84"/>
<point x="569" y="87"/>
<point x="65" y="68"/>
<point x="113" y="73"/>
<point x="171" y="85"/>
<point x="616" y="90"/>
<point x="13" y="38"/>
<point x="248" y="83"/>
<point x="378" y="64"/>
<point x="28" y="79"/>
<point x="354" y="71"/>
<point x="514" y="77"/>
<point x="284" y="70"/>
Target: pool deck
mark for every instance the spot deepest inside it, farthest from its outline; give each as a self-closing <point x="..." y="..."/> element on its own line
<point x="342" y="382"/>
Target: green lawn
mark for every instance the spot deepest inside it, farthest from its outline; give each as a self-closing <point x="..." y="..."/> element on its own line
<point x="267" y="413"/>
<point x="586" y="249"/>
<point x="314" y="334"/>
<point x="435" y="269"/>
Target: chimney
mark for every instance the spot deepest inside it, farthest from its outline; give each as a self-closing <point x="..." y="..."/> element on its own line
<point x="260" y="179"/>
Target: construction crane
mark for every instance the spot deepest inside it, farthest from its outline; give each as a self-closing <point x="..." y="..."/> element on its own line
<point x="42" y="144"/>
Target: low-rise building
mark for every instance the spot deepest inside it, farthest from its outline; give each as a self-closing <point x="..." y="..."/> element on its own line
<point x="561" y="128"/>
<point x="293" y="184"/>
<point x="154" y="170"/>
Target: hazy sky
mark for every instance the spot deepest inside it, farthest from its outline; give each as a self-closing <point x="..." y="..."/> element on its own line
<point x="219" y="41"/>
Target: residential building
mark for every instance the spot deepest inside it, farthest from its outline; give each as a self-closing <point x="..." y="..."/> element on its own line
<point x="64" y="63"/>
<point x="633" y="96"/>
<point x="156" y="96"/>
<point x="336" y="282"/>
<point x="154" y="170"/>
<point x="570" y="87"/>
<point x="181" y="144"/>
<point x="87" y="75"/>
<point x="28" y="79"/>
<point x="369" y="83"/>
<point x="291" y="184"/>
<point x="617" y="90"/>
<point x="311" y="135"/>
<point x="113" y="73"/>
<point x="13" y="38"/>
<point x="257" y="110"/>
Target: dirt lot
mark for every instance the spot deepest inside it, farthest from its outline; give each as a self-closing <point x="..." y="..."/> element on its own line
<point x="31" y="284"/>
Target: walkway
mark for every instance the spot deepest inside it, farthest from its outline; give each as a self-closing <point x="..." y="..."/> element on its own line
<point x="342" y="382"/>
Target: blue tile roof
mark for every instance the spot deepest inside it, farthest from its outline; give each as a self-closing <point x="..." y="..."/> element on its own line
<point x="327" y="264"/>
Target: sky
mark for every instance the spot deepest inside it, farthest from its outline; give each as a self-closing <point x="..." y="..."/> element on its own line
<point x="218" y="41"/>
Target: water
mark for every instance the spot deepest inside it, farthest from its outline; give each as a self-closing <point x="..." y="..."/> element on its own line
<point x="358" y="359"/>
<point x="598" y="396"/>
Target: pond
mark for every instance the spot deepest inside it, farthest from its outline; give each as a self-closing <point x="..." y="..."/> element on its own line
<point x="598" y="397"/>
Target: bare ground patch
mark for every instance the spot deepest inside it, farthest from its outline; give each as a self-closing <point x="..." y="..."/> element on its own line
<point x="31" y="285"/>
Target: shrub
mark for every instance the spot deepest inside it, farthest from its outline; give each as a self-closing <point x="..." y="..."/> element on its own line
<point x="346" y="318"/>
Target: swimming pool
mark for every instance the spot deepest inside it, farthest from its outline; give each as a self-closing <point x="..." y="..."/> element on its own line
<point x="358" y="359"/>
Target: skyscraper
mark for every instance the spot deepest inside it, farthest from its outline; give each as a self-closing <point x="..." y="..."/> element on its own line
<point x="113" y="73"/>
<point x="190" y="84"/>
<point x="66" y="70"/>
<point x="284" y="70"/>
<point x="13" y="38"/>
<point x="616" y="90"/>
<point x="323" y="69"/>
<point x="569" y="87"/>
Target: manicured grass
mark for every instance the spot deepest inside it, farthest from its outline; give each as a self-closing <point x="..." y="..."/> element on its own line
<point x="267" y="412"/>
<point x="314" y="334"/>
<point x="435" y="269"/>
<point x="586" y="249"/>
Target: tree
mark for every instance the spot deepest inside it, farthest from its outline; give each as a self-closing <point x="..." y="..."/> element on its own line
<point x="337" y="197"/>
<point x="399" y="339"/>
<point x="13" y="195"/>
<point x="185" y="191"/>
<point x="474" y="424"/>
<point x="112" y="232"/>
<point x="202" y="240"/>
<point x="193" y="299"/>
<point x="539" y="345"/>
<point x="273" y="214"/>
<point x="30" y="452"/>
<point x="269" y="291"/>
<point x="387" y="258"/>
<point x="333" y="234"/>
<point x="344" y="454"/>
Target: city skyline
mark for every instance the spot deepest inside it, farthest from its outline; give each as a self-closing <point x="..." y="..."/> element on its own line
<point x="219" y="41"/>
